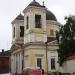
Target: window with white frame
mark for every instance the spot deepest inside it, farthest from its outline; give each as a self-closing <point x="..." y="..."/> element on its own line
<point x="52" y="63"/>
<point x="39" y="62"/>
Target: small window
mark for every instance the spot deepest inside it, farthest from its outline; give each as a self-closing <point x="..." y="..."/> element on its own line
<point x="27" y="26"/>
<point x="21" y="31"/>
<point x="52" y="63"/>
<point x="14" y="32"/>
<point x="51" y="32"/>
<point x="38" y="21"/>
<point x="39" y="62"/>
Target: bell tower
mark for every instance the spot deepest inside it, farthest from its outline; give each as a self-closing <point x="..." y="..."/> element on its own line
<point x="18" y="30"/>
<point x="35" y="23"/>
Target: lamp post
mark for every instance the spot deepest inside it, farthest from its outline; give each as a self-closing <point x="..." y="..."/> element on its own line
<point x="46" y="43"/>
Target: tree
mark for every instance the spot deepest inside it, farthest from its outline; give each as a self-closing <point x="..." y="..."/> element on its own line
<point x="66" y="39"/>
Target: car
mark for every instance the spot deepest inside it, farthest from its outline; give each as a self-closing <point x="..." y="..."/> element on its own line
<point x="32" y="71"/>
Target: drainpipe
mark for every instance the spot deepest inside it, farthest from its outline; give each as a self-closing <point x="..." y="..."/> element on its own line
<point x="22" y="57"/>
<point x="46" y="43"/>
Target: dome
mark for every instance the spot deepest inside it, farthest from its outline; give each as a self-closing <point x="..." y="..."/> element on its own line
<point x="50" y="16"/>
<point x="20" y="17"/>
<point x="34" y="3"/>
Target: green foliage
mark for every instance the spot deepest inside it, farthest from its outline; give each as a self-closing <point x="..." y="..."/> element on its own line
<point x="66" y="39"/>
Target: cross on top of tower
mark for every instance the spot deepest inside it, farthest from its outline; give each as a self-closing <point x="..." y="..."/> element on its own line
<point x="43" y="3"/>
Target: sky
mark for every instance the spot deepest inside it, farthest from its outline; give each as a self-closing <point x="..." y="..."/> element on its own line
<point x="9" y="9"/>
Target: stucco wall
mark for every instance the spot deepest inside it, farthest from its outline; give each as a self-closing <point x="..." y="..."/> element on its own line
<point x="69" y="66"/>
<point x="16" y="62"/>
<point x="17" y="38"/>
<point x="31" y="33"/>
<point x="52" y="25"/>
<point x="33" y="52"/>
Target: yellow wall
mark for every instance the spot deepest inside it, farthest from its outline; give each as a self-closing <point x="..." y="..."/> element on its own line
<point x="51" y="26"/>
<point x="34" y="52"/>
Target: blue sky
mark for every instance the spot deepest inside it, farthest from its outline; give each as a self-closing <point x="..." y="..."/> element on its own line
<point x="9" y="9"/>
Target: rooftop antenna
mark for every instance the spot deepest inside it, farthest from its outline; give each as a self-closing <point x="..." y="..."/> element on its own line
<point x="43" y="3"/>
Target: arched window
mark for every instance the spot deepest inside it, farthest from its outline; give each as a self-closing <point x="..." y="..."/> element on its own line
<point x="27" y="20"/>
<point x="14" y="32"/>
<point x="21" y="31"/>
<point x="38" y="21"/>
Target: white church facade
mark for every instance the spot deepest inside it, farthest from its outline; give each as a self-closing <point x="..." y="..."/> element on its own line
<point x="31" y="33"/>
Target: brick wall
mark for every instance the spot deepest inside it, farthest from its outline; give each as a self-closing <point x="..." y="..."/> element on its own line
<point x="4" y="64"/>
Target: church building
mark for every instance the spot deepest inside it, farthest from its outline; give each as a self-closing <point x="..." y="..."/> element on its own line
<point x="34" y="39"/>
